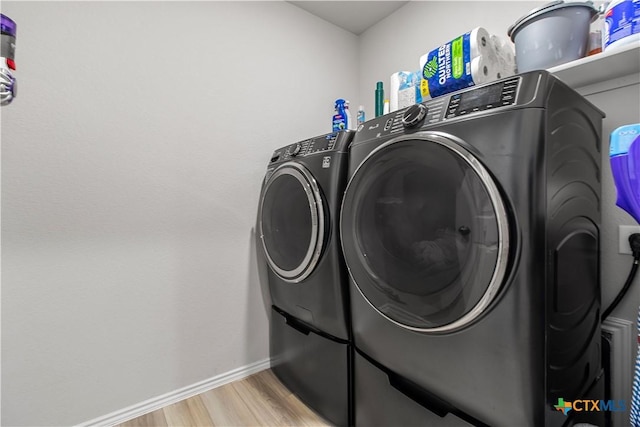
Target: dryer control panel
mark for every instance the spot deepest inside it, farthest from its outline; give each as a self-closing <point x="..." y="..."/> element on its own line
<point x="336" y="141"/>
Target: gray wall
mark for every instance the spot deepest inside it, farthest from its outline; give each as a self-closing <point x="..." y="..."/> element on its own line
<point x="131" y="165"/>
<point x="622" y="108"/>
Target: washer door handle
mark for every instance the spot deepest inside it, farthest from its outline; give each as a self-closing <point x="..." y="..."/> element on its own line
<point x="297" y="325"/>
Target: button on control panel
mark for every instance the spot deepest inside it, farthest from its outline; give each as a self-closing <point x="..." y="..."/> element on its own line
<point x="295" y="150"/>
<point x="414" y="115"/>
<point x="388" y="124"/>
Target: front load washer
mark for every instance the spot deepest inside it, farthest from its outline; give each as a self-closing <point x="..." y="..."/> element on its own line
<point x="470" y="229"/>
<point x="299" y="240"/>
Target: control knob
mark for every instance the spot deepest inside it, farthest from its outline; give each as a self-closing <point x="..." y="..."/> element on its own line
<point x="295" y="150"/>
<point x="414" y="115"/>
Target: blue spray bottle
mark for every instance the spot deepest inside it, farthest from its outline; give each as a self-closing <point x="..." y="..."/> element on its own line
<point x="341" y="118"/>
<point x="624" y="154"/>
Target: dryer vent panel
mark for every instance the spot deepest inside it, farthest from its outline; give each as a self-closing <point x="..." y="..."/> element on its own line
<point x="573" y="159"/>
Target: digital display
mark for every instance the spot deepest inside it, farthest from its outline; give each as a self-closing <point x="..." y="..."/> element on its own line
<point x="320" y="144"/>
<point x="480" y="97"/>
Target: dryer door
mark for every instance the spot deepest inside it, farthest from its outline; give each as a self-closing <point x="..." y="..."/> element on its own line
<point x="425" y="233"/>
<point x="292" y="222"/>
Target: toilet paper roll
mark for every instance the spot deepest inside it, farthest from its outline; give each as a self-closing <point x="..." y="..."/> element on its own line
<point x="500" y="46"/>
<point x="506" y="56"/>
<point x="448" y="68"/>
<point x="480" y="42"/>
<point x="507" y="70"/>
<point x="476" y="42"/>
<point x="485" y="69"/>
<point x="479" y="70"/>
<point x="472" y="58"/>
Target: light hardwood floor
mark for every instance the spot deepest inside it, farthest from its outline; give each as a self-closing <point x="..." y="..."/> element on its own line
<point x="258" y="400"/>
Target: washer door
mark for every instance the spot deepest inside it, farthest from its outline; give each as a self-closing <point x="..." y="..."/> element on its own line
<point x="425" y="233"/>
<point x="292" y="222"/>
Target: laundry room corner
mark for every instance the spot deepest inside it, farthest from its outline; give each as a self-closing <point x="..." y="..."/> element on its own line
<point x="197" y="191"/>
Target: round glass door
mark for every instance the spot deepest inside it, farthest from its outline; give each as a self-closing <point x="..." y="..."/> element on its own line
<point x="292" y="222"/>
<point x="425" y="233"/>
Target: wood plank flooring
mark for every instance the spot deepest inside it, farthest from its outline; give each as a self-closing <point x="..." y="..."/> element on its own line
<point x="258" y="400"/>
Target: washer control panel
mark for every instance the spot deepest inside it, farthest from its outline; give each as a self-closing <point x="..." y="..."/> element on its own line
<point x="441" y="109"/>
<point x="483" y="98"/>
<point x="318" y="144"/>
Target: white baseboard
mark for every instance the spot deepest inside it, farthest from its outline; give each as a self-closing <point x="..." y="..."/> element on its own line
<point x="155" y="403"/>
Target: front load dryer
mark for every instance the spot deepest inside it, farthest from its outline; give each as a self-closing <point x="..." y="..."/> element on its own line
<point x="470" y="229"/>
<point x="299" y="240"/>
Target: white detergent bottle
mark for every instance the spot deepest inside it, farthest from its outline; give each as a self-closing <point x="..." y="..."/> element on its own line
<point x="622" y="23"/>
<point x="351" y="125"/>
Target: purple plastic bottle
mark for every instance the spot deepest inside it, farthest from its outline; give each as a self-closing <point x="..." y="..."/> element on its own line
<point x="624" y="154"/>
<point x="8" y="86"/>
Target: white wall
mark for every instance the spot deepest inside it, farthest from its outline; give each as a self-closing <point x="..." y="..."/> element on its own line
<point x="131" y="165"/>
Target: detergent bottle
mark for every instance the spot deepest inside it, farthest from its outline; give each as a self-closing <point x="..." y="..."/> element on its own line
<point x="624" y="153"/>
<point x="8" y="84"/>
<point x="341" y="118"/>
